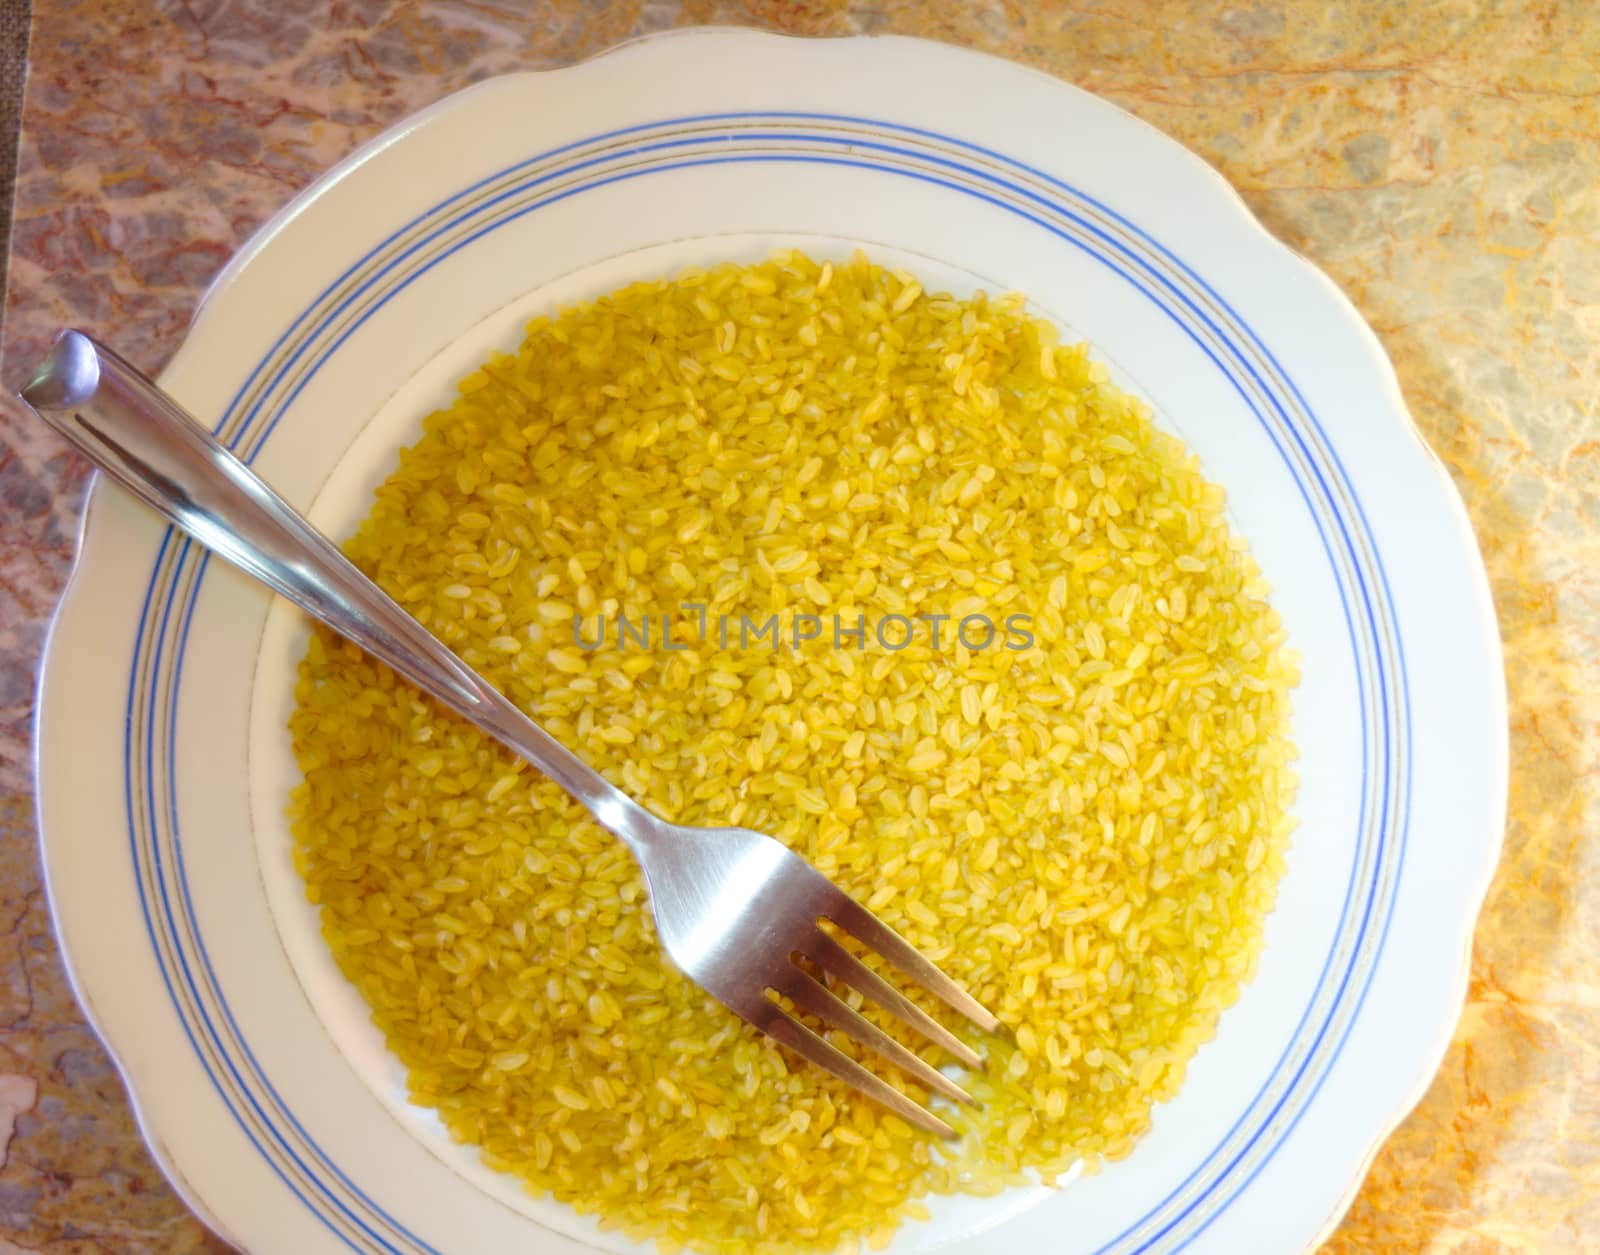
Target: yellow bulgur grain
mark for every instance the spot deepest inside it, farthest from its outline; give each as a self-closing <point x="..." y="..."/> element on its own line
<point x="1086" y="831"/>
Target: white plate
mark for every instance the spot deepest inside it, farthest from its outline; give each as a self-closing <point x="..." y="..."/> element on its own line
<point x="163" y="759"/>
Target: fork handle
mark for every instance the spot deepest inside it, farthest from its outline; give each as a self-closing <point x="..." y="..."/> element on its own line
<point x="145" y="441"/>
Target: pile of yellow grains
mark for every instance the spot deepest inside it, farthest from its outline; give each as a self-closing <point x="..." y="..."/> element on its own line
<point x="1086" y="832"/>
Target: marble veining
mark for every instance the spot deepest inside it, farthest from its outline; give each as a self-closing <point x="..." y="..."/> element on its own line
<point x="1440" y="161"/>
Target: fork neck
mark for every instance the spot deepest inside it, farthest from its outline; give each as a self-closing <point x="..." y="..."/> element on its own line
<point x="612" y="809"/>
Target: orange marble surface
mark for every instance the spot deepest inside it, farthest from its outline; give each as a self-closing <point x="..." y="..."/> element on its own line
<point x="1440" y="161"/>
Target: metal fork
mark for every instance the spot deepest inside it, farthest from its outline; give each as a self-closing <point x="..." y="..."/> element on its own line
<point x="734" y="909"/>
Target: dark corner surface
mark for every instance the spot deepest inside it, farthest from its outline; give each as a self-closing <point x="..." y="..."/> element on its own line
<point x="14" y="18"/>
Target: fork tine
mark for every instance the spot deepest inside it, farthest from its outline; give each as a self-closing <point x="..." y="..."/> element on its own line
<point x="839" y="962"/>
<point x="787" y="1031"/>
<point x="866" y="927"/>
<point x="809" y="996"/>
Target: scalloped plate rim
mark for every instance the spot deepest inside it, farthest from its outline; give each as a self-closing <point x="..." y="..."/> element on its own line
<point x="77" y="593"/>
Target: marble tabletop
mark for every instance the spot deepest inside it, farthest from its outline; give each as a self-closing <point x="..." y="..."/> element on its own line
<point x="1440" y="161"/>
